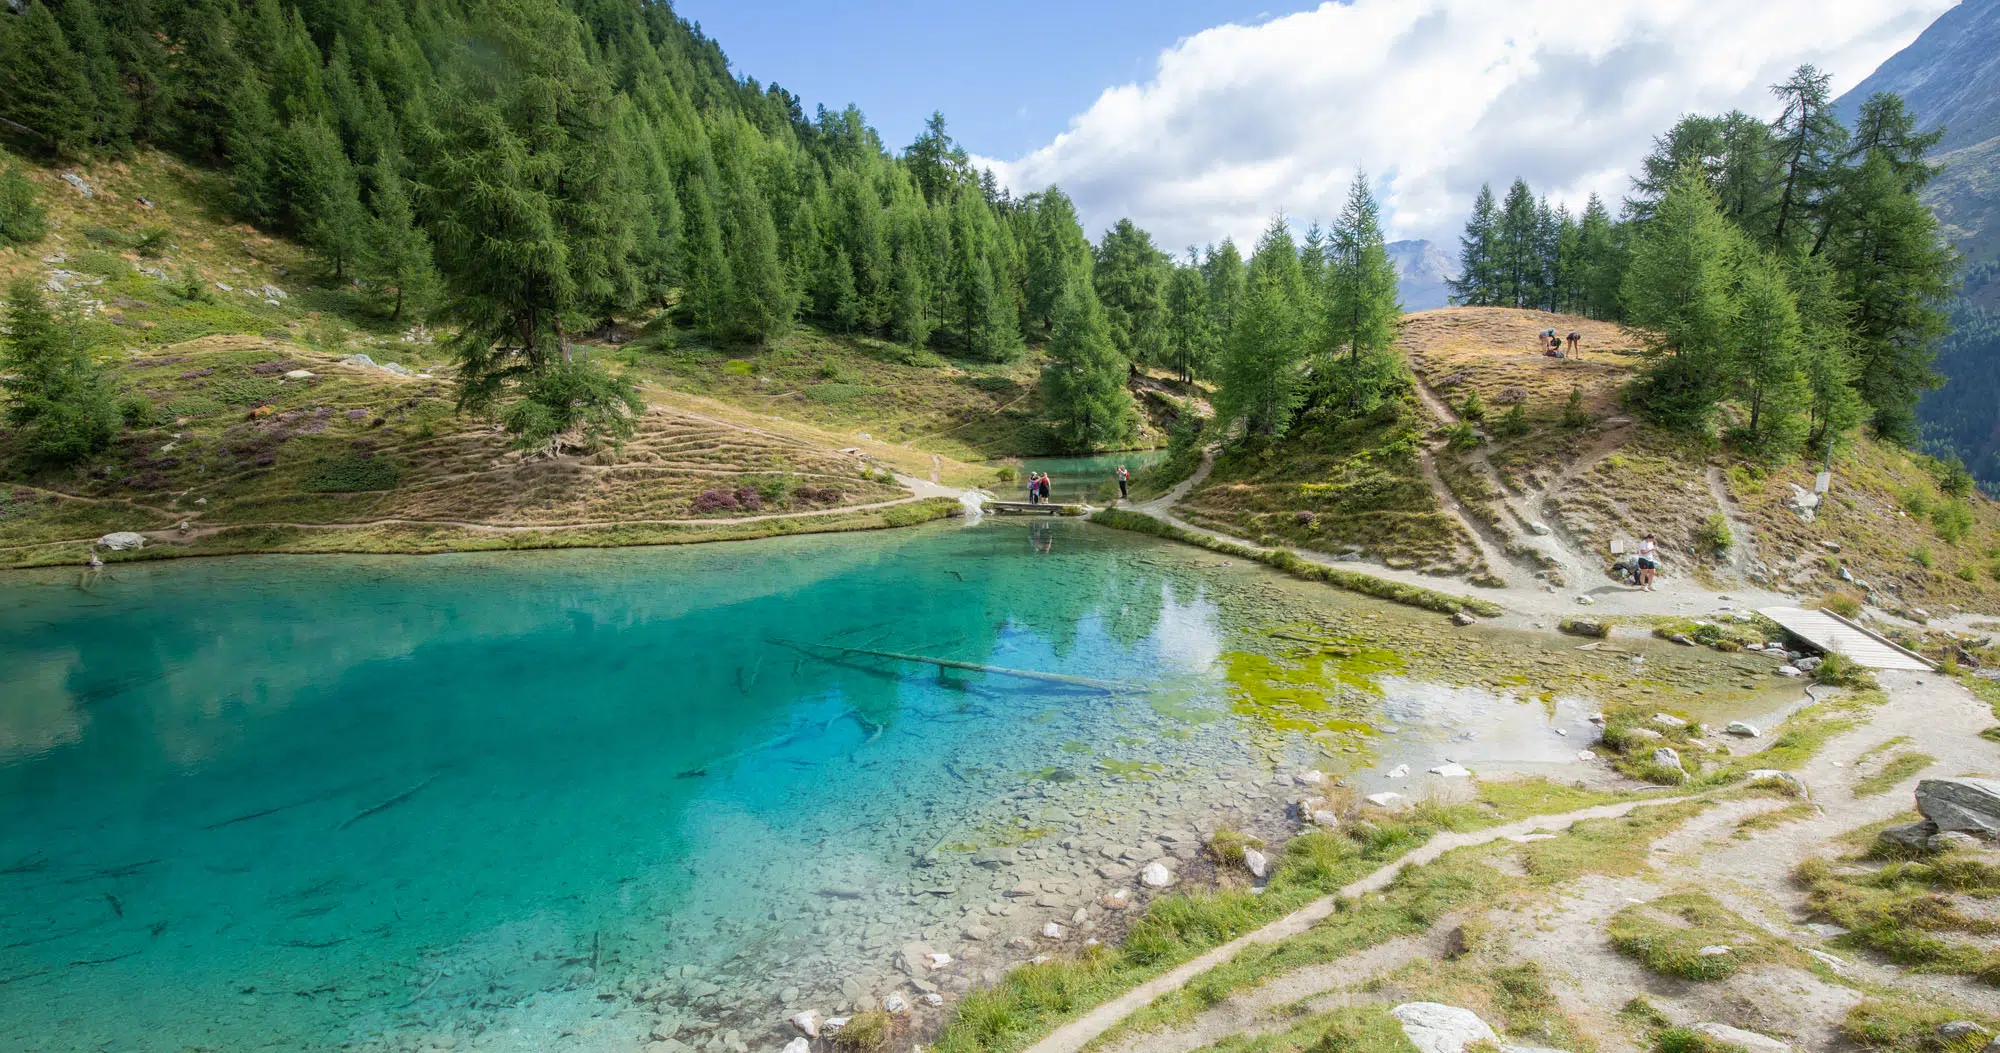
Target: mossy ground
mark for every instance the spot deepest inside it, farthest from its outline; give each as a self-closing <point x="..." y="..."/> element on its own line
<point x="1668" y="935"/>
<point x="1921" y="910"/>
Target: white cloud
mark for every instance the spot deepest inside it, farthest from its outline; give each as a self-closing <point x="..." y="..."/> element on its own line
<point x="1432" y="98"/>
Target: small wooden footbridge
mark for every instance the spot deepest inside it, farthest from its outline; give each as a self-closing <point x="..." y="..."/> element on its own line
<point x="1023" y="508"/>
<point x="1830" y="632"/>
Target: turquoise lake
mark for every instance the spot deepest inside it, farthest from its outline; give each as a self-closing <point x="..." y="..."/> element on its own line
<point x="581" y="800"/>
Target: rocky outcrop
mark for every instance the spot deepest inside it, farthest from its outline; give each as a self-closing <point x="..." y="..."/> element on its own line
<point x="1969" y="806"/>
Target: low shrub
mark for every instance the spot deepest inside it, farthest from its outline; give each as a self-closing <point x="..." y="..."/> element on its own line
<point x="1714" y="534"/>
<point x="349" y="473"/>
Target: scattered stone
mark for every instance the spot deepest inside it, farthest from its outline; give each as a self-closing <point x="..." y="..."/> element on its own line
<point x="1451" y="771"/>
<point x="1950" y="839"/>
<point x="977" y="932"/>
<point x="1540" y="528"/>
<point x="1644" y="735"/>
<point x="807" y="1022"/>
<point x="1825" y="930"/>
<point x="1915" y="837"/>
<point x="1585" y="755"/>
<point x="1462" y="618"/>
<point x="122" y="540"/>
<point x="993" y="857"/>
<point x="1668" y="720"/>
<point x="1400" y="771"/>
<point x="1585" y="600"/>
<point x="1156" y="875"/>
<point x="1051" y="931"/>
<point x="299" y="374"/>
<point x="1116" y="899"/>
<point x="1433" y="1027"/>
<point x="1257" y="863"/>
<point x="833" y="1024"/>
<point x="1790" y="670"/>
<point x="1584" y="627"/>
<point x="798" y="1045"/>
<point x="1736" y="1036"/>
<point x="1714" y="950"/>
<point x="1310" y="778"/>
<point x="1669" y="758"/>
<point x="933" y="999"/>
<point x="1968" y="805"/>
<point x="937" y="960"/>
<point x="1737" y="727"/>
<point x="895" y="1003"/>
<point x="76" y="181"/>
<point x="1383" y="799"/>
<point x="1954" y="1030"/>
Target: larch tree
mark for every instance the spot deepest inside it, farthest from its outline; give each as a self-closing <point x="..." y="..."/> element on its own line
<point x="1679" y="287"/>
<point x="1357" y="325"/>
<point x="1765" y="367"/>
<point x="1476" y="283"/>
<point x="1131" y="276"/>
<point x="1190" y="334"/>
<point x="1262" y="352"/>
<point x="1083" y="382"/>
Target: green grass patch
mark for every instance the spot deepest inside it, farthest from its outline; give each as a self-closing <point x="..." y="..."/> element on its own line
<point x="1291" y="563"/>
<point x="1359" y="1029"/>
<point x="1898" y="1024"/>
<point x="1905" y="908"/>
<point x="1893" y="771"/>
<point x="1668" y="934"/>
<point x="348" y="474"/>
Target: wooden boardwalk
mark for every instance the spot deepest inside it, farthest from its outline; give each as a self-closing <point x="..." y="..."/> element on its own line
<point x="1830" y="632"/>
<point x="1023" y="508"/>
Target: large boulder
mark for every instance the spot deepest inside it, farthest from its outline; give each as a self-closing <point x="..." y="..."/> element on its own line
<point x="121" y="540"/>
<point x="1968" y="805"/>
<point x="1434" y="1027"/>
<point x="1736" y="1036"/>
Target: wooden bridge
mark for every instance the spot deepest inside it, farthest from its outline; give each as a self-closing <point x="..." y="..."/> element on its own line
<point x="1023" y="508"/>
<point x="1830" y="632"/>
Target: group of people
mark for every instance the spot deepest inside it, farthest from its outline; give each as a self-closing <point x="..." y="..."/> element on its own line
<point x="1554" y="343"/>
<point x="1039" y="486"/>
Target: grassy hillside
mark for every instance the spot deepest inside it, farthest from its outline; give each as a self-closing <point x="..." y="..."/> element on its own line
<point x="207" y="323"/>
<point x="1607" y="474"/>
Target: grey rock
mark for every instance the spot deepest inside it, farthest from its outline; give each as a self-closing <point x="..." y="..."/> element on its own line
<point x="1950" y="839"/>
<point x="1644" y="734"/>
<point x="1736" y="1036"/>
<point x="122" y="540"/>
<point x="1957" y="1029"/>
<point x="993" y="857"/>
<point x="1669" y="758"/>
<point x="1968" y="805"/>
<point x="1737" y="727"/>
<point x="1683" y="639"/>
<point x="1434" y="1027"/>
<point x="76" y="181"/>
<point x="1540" y="528"/>
<point x="1156" y="875"/>
<point x="1462" y="618"/>
<point x="1914" y="836"/>
<point x="1668" y="720"/>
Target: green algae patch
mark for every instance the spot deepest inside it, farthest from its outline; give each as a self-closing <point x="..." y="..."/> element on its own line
<point x="1129" y="769"/>
<point x="1181" y="707"/>
<point x="1329" y="690"/>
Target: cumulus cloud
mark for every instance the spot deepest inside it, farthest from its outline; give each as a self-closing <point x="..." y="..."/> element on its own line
<point x="1432" y="98"/>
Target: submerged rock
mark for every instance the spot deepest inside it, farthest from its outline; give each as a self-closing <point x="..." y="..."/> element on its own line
<point x="1449" y="770"/>
<point x="1383" y="799"/>
<point x="1156" y="875"/>
<point x="807" y="1023"/>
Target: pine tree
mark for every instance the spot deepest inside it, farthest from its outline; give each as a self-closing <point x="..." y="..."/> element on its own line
<point x="111" y="112"/>
<point x="1265" y="345"/>
<point x="398" y="251"/>
<point x="1765" y="367"/>
<point x="1190" y="335"/>
<point x="1057" y="252"/>
<point x="757" y="302"/>
<point x="1808" y="138"/>
<point x="1602" y="262"/>
<point x="22" y="217"/>
<point x="1358" y="326"/>
<point x="1897" y="274"/>
<point x="1517" y="257"/>
<point x="1679" y="288"/>
<point x="1083" y="383"/>
<point x="1222" y="269"/>
<point x="1130" y="276"/>
<point x="318" y="184"/>
<point x="61" y="400"/>
<point x="44" y="85"/>
<point x="1833" y="405"/>
<point x="1477" y="284"/>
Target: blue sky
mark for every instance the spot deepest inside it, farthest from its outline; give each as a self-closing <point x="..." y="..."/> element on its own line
<point x="1007" y="76"/>
<point x="1201" y="120"/>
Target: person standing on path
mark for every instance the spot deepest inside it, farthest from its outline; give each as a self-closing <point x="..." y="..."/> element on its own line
<point x="1124" y="480"/>
<point x="1047" y="487"/>
<point x="1034" y="488"/>
<point x="1649" y="561"/>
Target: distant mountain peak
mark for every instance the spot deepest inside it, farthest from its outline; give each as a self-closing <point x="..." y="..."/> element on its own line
<point x="1423" y="274"/>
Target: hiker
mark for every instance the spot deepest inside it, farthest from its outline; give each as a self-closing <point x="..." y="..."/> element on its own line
<point x="1555" y="348"/>
<point x="1543" y="338"/>
<point x="1649" y="561"/>
<point x="1124" y="480"/>
<point x="1575" y="342"/>
<point x="1045" y="487"/>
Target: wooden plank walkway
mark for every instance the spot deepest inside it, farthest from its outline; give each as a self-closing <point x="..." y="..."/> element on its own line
<point x="1023" y="508"/>
<point x="1830" y="632"/>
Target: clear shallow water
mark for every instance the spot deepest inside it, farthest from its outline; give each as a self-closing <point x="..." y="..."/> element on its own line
<point x="337" y="802"/>
<point x="1091" y="478"/>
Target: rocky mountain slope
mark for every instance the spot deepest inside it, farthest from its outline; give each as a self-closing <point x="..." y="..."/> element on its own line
<point x="1422" y="273"/>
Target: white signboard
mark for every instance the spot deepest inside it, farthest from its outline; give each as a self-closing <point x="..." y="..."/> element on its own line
<point x="1822" y="482"/>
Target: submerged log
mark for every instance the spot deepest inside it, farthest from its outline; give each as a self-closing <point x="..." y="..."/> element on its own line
<point x="1106" y="686"/>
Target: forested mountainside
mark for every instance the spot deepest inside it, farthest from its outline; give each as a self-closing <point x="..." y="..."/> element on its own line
<point x="1950" y="78"/>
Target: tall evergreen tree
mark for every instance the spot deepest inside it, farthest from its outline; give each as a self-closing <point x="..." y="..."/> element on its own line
<point x="1679" y="287"/>
<point x="1358" y="326"/>
<point x="1833" y="406"/>
<point x="1265" y="344"/>
<point x="313" y="174"/>
<point x="1130" y="277"/>
<point x="1057" y="252"/>
<point x="1765" y="366"/>
<point x="398" y="251"/>
<point x="1477" y="283"/>
<point x="60" y="399"/>
<point x="1223" y="271"/>
<point x="44" y="86"/>
<point x="1083" y="382"/>
<point x="1190" y="333"/>
<point x="1808" y="137"/>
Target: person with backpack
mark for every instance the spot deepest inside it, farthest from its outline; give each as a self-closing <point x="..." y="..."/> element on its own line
<point x="1046" y="488"/>
<point x="1124" y="480"/>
